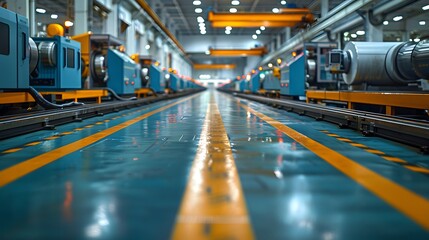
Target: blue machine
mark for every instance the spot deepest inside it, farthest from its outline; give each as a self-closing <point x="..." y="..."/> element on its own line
<point x="254" y="83"/>
<point x="174" y="82"/>
<point x="59" y="65"/>
<point x="123" y="73"/>
<point x="270" y="82"/>
<point x="156" y="79"/>
<point x="182" y="83"/>
<point x="244" y="85"/>
<point x="14" y="54"/>
<point x="294" y="77"/>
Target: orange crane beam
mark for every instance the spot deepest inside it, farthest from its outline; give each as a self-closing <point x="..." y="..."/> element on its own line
<point x="214" y="66"/>
<point x="238" y="52"/>
<point x="252" y="24"/>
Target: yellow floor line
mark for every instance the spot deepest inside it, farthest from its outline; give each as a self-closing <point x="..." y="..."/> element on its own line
<point x="375" y="151"/>
<point x="32" y="144"/>
<point x="12" y="150"/>
<point x="394" y="159"/>
<point x="21" y="169"/>
<point x="213" y="206"/>
<point x="409" y="203"/>
<point x="418" y="169"/>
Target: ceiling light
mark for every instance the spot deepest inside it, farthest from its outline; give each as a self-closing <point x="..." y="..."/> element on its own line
<point x="202" y="24"/>
<point x="422" y="23"/>
<point x="353" y="35"/>
<point x="228" y="28"/>
<point x="425" y="7"/>
<point x="258" y="31"/>
<point x="147" y="47"/>
<point x="346" y="34"/>
<point x="360" y="32"/>
<point x="283" y="2"/>
<point x="417" y="40"/>
<point x="233" y="10"/>
<point x="276" y="10"/>
<point x="208" y="52"/>
<point x="262" y="28"/>
<point x="196" y="3"/>
<point x="200" y="19"/>
<point x="254" y="36"/>
<point x="40" y="10"/>
<point x="68" y="23"/>
<point x="270" y="65"/>
<point x="54" y="16"/>
<point x="203" y="32"/>
<point x="397" y="18"/>
<point x="198" y="10"/>
<point x="227" y="32"/>
<point x="235" y="2"/>
<point x="386" y="23"/>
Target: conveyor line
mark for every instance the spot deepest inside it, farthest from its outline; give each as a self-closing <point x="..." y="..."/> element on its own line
<point x="16" y="125"/>
<point x="408" y="131"/>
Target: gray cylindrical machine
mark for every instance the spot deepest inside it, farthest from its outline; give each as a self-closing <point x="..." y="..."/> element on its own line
<point x="34" y="54"/>
<point x="420" y="59"/>
<point x="48" y="53"/>
<point x="367" y="63"/>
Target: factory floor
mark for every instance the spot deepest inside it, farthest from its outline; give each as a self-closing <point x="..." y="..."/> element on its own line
<point x="210" y="166"/>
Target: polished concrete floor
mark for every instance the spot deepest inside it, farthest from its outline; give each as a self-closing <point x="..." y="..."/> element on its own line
<point x="210" y="166"/>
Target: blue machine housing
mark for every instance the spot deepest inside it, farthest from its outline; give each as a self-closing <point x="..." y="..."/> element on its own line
<point x="14" y="55"/>
<point x="294" y="77"/>
<point x="271" y="82"/>
<point x="182" y="83"/>
<point x="59" y="64"/>
<point x="156" y="79"/>
<point x="174" y="82"/>
<point x="254" y="83"/>
<point x="123" y="72"/>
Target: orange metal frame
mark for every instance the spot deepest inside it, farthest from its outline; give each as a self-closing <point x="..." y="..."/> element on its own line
<point x="214" y="66"/>
<point x="23" y="97"/>
<point x="389" y="100"/>
<point x="238" y="52"/>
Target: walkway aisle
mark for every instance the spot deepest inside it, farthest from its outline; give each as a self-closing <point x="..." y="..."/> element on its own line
<point x="210" y="166"/>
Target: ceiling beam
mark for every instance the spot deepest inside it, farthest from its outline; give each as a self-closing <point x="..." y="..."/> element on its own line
<point x="252" y="24"/>
<point x="238" y="52"/>
<point x="214" y="66"/>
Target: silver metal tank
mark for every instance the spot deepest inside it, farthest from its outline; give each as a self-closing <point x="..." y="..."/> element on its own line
<point x="420" y="59"/>
<point x="367" y="63"/>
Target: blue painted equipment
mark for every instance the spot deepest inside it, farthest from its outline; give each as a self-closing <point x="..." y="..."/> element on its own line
<point x="156" y="79"/>
<point x="14" y="51"/>
<point x="59" y="65"/>
<point x="123" y="74"/>
<point x="293" y="77"/>
<point x="174" y="82"/>
<point x="254" y="83"/>
<point x="270" y="82"/>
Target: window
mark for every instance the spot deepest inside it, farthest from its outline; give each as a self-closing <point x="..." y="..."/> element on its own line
<point x="5" y="39"/>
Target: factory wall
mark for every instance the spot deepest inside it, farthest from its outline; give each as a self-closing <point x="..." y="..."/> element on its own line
<point x="204" y="42"/>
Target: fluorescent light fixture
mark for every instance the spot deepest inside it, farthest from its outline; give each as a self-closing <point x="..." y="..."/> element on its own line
<point x="208" y="52"/>
<point x="235" y="2"/>
<point x="353" y="35"/>
<point x="203" y="32"/>
<point x="205" y="76"/>
<point x="417" y="40"/>
<point x="227" y="32"/>
<point x="346" y="34"/>
<point x="270" y="65"/>
<point x="283" y="2"/>
<point x="202" y="24"/>
<point x="262" y="28"/>
<point x="40" y="10"/>
<point x="68" y="23"/>
<point x="258" y="31"/>
<point x="196" y="3"/>
<point x="198" y="10"/>
<point x="360" y="32"/>
<point x="385" y="23"/>
<point x="228" y="28"/>
<point x="425" y="7"/>
<point x="276" y="10"/>
<point x="147" y="47"/>
<point x="422" y="23"/>
<point x="397" y="18"/>
<point x="233" y="10"/>
<point x="54" y="16"/>
<point x="254" y="36"/>
<point x="200" y="19"/>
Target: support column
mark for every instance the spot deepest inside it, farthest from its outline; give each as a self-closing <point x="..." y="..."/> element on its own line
<point x="287" y="34"/>
<point x="81" y="14"/>
<point x="324" y="7"/>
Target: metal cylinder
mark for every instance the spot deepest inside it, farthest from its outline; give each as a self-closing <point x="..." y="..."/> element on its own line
<point x="98" y="70"/>
<point x="404" y="62"/>
<point x="420" y="59"/>
<point x="34" y="54"/>
<point x="367" y="63"/>
<point x="48" y="53"/>
<point x="311" y="70"/>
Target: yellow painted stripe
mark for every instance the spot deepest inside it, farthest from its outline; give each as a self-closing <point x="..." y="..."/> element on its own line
<point x="409" y="203"/>
<point x="99" y="123"/>
<point x="78" y="129"/>
<point x="324" y="131"/>
<point x="213" y="206"/>
<point x="345" y="140"/>
<point x="32" y="144"/>
<point x="418" y="169"/>
<point x="89" y="126"/>
<point x="66" y="133"/>
<point x="332" y="135"/>
<point x="12" y="150"/>
<point x="13" y="173"/>
<point x="358" y="145"/>
<point x="51" y="138"/>
<point x="374" y="151"/>
<point x="394" y="159"/>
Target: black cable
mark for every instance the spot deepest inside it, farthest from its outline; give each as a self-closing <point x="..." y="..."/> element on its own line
<point x="48" y="105"/>
<point x="117" y="97"/>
